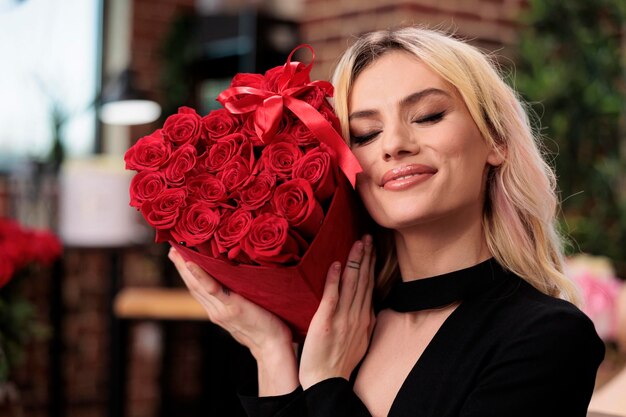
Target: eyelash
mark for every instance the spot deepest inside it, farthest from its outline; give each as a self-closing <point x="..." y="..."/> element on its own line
<point x="431" y="118"/>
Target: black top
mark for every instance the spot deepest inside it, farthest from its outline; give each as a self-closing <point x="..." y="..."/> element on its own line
<point x="506" y="350"/>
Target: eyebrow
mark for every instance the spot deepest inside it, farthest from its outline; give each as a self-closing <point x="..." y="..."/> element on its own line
<point x="406" y="101"/>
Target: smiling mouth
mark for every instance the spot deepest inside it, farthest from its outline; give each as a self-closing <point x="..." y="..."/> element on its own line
<point x="406" y="176"/>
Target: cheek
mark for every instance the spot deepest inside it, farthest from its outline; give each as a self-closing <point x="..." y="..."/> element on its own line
<point x="368" y="192"/>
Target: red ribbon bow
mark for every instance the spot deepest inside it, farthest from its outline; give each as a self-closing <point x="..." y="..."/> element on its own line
<point x="268" y="109"/>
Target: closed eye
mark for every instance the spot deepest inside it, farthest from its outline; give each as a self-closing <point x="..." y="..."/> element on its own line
<point x="363" y="139"/>
<point x="431" y="118"/>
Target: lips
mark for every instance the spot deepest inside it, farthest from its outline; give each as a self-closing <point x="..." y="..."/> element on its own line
<point x="406" y="175"/>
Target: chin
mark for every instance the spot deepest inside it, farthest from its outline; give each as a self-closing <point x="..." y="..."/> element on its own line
<point x="398" y="220"/>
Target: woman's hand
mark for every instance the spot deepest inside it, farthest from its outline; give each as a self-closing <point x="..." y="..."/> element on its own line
<point x="340" y="331"/>
<point x="267" y="337"/>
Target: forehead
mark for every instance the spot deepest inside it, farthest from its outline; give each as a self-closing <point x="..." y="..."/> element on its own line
<point x="392" y="77"/>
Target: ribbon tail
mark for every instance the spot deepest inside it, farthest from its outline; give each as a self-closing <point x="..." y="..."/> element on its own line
<point x="267" y="118"/>
<point x="324" y="132"/>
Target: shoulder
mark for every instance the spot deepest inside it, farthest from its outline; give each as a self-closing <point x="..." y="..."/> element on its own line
<point x="538" y="322"/>
<point x="544" y="311"/>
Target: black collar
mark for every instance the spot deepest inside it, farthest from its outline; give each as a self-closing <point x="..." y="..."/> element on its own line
<point x="445" y="289"/>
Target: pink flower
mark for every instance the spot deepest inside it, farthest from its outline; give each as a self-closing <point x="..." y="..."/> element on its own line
<point x="599" y="288"/>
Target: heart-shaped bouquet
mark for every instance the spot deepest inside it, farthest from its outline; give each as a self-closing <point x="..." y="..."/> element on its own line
<point x="258" y="193"/>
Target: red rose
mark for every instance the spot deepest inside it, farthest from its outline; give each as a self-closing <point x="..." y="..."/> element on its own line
<point x="220" y="123"/>
<point x="225" y="149"/>
<point x="182" y="161"/>
<point x="294" y="200"/>
<point x="46" y="247"/>
<point x="149" y="153"/>
<point x="183" y="127"/>
<point x="269" y="242"/>
<point x="279" y="157"/>
<point x="329" y="114"/>
<point x="197" y="224"/>
<point x="316" y="168"/>
<point x="284" y="127"/>
<point x="235" y="174"/>
<point x="314" y="96"/>
<point x="303" y="135"/>
<point x="162" y="211"/>
<point x="207" y="187"/>
<point x="232" y="231"/>
<point x="247" y="80"/>
<point x="248" y="130"/>
<point x="271" y="79"/>
<point x="145" y="186"/>
<point x="257" y="192"/>
<point x="274" y="80"/>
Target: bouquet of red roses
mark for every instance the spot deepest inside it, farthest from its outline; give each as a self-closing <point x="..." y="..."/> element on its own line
<point x="22" y="251"/>
<point x="257" y="193"/>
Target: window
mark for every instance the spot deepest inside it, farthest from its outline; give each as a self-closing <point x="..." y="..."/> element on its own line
<point x="50" y="58"/>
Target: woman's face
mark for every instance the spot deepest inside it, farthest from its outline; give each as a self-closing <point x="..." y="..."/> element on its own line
<point x="423" y="158"/>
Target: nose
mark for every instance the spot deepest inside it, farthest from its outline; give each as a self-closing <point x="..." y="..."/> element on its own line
<point x="399" y="141"/>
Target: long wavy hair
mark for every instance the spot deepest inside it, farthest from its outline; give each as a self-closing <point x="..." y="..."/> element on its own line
<point x="519" y="214"/>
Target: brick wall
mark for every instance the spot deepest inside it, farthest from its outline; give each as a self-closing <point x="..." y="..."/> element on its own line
<point x="330" y="25"/>
<point x="85" y="295"/>
<point x="150" y="24"/>
<point x="35" y="392"/>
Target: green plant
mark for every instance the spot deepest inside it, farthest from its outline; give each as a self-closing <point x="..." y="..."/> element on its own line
<point x="571" y="66"/>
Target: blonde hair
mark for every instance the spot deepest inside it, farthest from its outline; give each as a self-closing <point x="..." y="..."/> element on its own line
<point x="519" y="215"/>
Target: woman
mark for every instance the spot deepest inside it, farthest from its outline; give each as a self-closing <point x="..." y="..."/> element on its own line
<point x="477" y="318"/>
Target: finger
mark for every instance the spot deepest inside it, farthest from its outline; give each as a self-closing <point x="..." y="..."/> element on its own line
<point x="209" y="284"/>
<point x="199" y="283"/>
<point x="371" y="283"/>
<point x="364" y="274"/>
<point x="330" y="297"/>
<point x="350" y="276"/>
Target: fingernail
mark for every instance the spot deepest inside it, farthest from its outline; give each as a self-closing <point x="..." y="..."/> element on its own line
<point x="359" y="246"/>
<point x="337" y="266"/>
<point x="368" y="240"/>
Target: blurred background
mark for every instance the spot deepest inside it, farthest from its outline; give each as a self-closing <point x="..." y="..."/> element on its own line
<point x="100" y="325"/>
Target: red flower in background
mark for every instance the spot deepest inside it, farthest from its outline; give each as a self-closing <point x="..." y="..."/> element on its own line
<point x="21" y="246"/>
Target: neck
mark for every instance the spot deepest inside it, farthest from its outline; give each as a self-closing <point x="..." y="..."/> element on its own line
<point x="440" y="247"/>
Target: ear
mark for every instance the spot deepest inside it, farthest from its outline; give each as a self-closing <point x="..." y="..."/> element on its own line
<point x="496" y="156"/>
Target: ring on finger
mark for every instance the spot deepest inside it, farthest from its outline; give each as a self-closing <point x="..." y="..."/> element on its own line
<point x="353" y="264"/>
